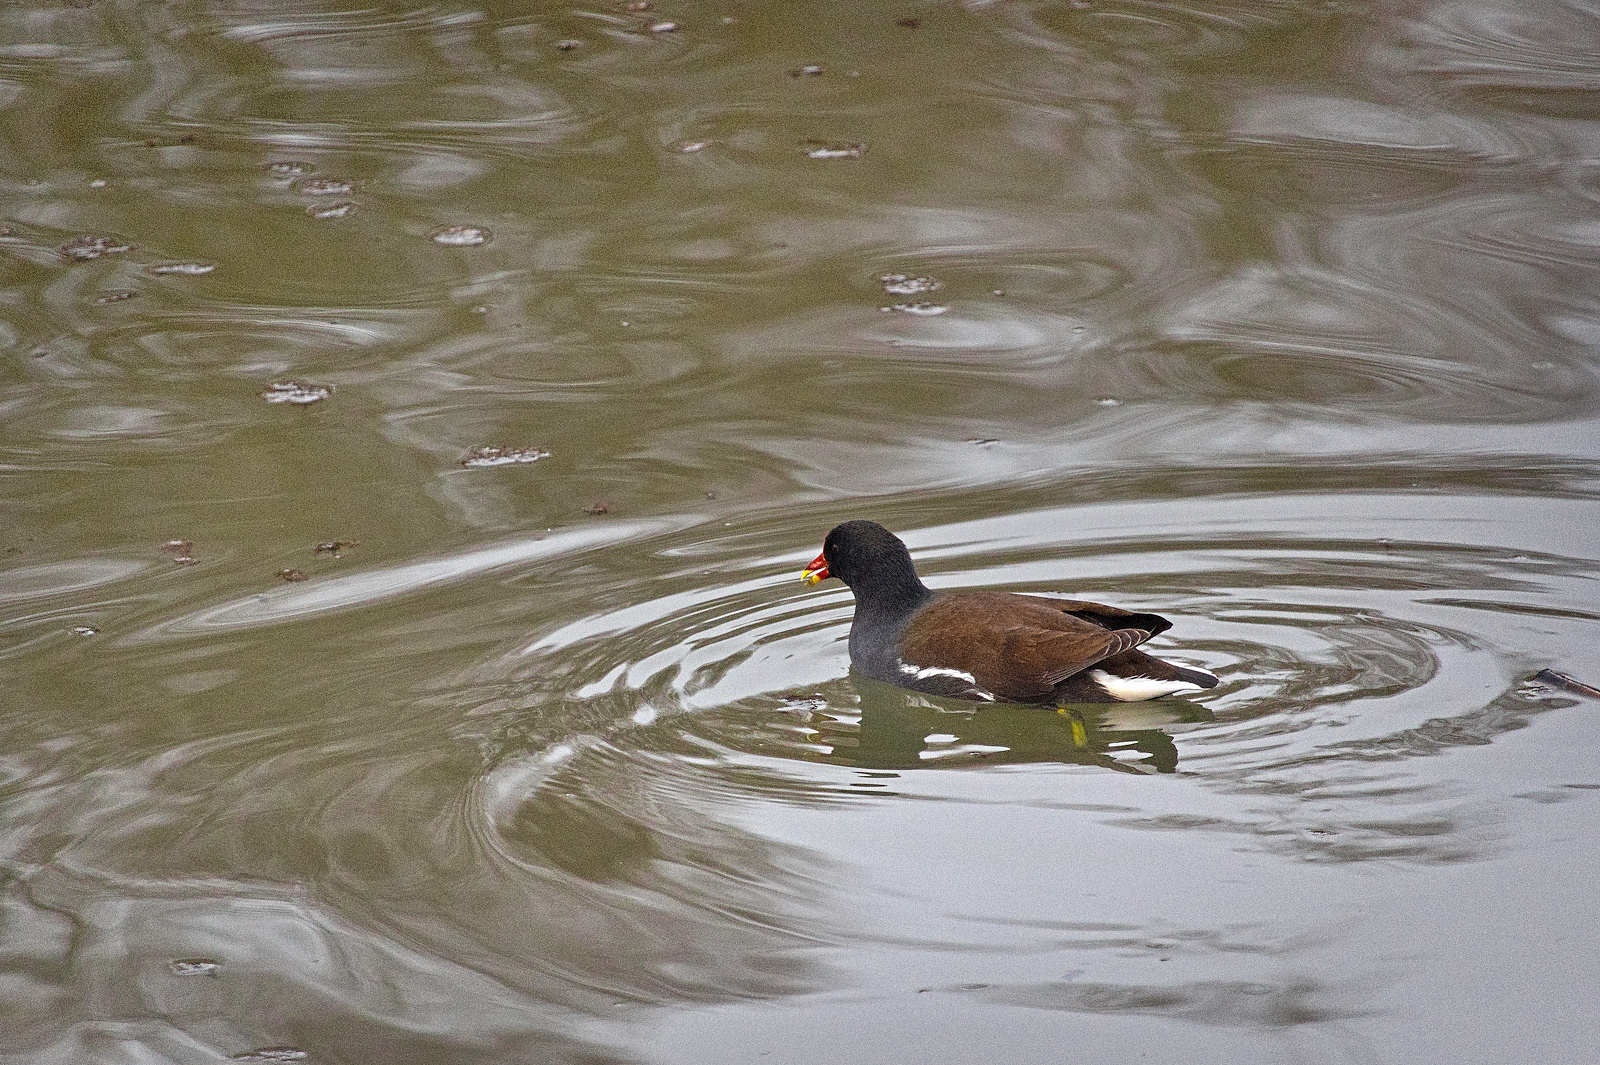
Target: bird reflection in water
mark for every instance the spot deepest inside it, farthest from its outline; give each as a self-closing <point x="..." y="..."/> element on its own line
<point x="898" y="729"/>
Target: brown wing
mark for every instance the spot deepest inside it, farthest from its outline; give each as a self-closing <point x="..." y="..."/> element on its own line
<point x="1107" y="617"/>
<point x="1070" y="658"/>
<point x="1016" y="646"/>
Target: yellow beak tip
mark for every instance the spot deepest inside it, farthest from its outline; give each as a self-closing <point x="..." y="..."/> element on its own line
<point x="812" y="576"/>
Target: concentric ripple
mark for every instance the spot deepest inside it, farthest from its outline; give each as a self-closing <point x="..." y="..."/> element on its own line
<point x="1327" y="646"/>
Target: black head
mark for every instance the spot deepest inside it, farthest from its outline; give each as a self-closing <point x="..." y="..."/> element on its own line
<point x="872" y="561"/>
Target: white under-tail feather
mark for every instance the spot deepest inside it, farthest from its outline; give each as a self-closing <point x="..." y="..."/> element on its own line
<point x="1137" y="689"/>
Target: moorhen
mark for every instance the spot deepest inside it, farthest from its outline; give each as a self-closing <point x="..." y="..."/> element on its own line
<point x="990" y="645"/>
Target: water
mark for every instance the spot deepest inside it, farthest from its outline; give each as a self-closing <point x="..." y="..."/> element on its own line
<point x="336" y="728"/>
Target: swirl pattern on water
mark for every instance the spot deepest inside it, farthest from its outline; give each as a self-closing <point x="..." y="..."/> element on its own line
<point x="578" y="793"/>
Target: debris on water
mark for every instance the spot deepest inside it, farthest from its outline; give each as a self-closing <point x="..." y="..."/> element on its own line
<point x="910" y="22"/>
<point x="98" y="183"/>
<point x="460" y="236"/>
<point x="342" y="209"/>
<point x="114" y="297"/>
<point x="188" y="269"/>
<point x="194" y="967"/>
<point x="169" y="142"/>
<point x="810" y="70"/>
<point x="569" y="45"/>
<point x="291" y="575"/>
<point x="324" y="187"/>
<point x="271" y="1054"/>
<point x="1107" y="401"/>
<point x="982" y="441"/>
<point x="334" y="547"/>
<point x="82" y="249"/>
<point x="84" y="630"/>
<point x="816" y="149"/>
<point x="997" y="292"/>
<point x="181" y="550"/>
<point x="599" y="506"/>
<point x="690" y="147"/>
<point x="1566" y="683"/>
<point x="290" y="168"/>
<point x="299" y="393"/>
<point x="906" y="285"/>
<point x="922" y="307"/>
<point x="664" y="27"/>
<point x="494" y="455"/>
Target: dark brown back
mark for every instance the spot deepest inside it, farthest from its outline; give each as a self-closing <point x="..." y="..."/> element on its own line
<point x="1019" y="646"/>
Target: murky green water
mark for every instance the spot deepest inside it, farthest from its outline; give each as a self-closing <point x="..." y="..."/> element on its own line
<point x="1280" y="319"/>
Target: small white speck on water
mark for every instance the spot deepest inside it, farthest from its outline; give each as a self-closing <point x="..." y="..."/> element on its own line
<point x="187" y="269"/>
<point x="495" y="455"/>
<point x="833" y="149"/>
<point x="324" y="212"/>
<point x="907" y="285"/>
<point x="82" y="249"/>
<point x="324" y="187"/>
<point x="297" y="393"/>
<point x="460" y="236"/>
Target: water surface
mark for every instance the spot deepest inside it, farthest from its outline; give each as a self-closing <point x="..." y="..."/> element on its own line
<point x="415" y="419"/>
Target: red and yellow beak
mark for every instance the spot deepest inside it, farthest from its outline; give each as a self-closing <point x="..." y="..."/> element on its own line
<point x="817" y="571"/>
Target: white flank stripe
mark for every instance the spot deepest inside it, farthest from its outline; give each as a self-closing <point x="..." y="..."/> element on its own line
<point x="929" y="672"/>
<point x="923" y="673"/>
<point x="1137" y="689"/>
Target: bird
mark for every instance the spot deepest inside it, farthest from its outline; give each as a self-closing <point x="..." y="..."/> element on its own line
<point x="990" y="646"/>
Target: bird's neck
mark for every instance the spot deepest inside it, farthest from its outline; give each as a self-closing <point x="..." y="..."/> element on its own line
<point x="882" y="614"/>
<point x="891" y="600"/>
